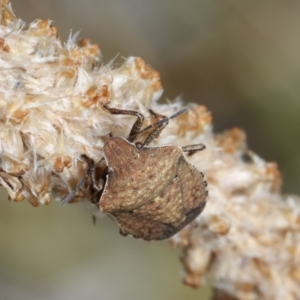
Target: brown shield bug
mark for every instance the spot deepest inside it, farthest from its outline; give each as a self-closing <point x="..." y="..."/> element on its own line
<point x="151" y="192"/>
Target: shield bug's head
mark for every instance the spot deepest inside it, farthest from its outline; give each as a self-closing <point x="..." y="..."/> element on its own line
<point x="151" y="192"/>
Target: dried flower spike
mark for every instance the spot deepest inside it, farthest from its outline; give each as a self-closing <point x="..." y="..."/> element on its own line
<point x="52" y="97"/>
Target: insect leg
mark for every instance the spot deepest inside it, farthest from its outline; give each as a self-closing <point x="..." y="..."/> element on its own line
<point x="136" y="126"/>
<point x="97" y="185"/>
<point x="154" y="133"/>
<point x="159" y="126"/>
<point x="90" y="173"/>
<point x="156" y="115"/>
<point x="162" y="121"/>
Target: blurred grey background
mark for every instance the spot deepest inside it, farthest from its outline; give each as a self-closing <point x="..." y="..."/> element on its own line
<point x="239" y="58"/>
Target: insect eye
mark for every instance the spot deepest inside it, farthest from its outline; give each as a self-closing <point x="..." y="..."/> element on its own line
<point x="139" y="145"/>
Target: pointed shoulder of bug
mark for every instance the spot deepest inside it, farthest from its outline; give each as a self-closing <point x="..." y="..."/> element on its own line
<point x="193" y="185"/>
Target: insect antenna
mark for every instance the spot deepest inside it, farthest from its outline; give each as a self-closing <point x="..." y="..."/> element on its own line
<point x="166" y="119"/>
<point x="162" y="121"/>
<point x="78" y="186"/>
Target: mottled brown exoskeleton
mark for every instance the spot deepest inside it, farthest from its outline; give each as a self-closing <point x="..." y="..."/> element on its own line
<point x="151" y="192"/>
